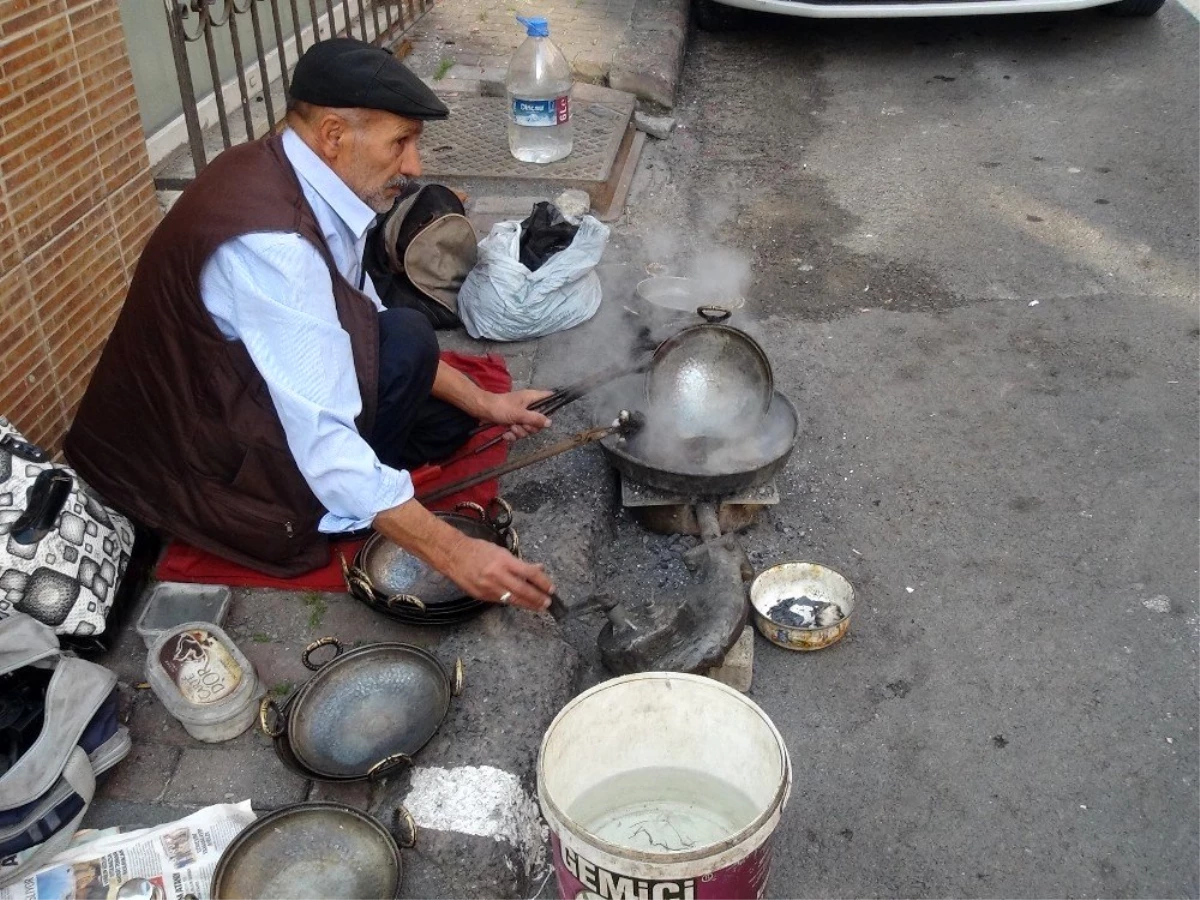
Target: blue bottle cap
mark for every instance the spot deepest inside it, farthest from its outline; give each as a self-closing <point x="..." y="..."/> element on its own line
<point x="535" y="26"/>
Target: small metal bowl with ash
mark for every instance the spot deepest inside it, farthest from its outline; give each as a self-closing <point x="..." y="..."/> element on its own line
<point x="801" y="605"/>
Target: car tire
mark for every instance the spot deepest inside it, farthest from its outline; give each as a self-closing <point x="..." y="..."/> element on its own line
<point x="713" y="16"/>
<point x="1134" y="8"/>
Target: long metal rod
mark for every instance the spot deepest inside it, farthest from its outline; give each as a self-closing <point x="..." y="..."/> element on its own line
<point x="362" y="20"/>
<point x="218" y="93"/>
<point x="260" y="50"/>
<point x="187" y="89"/>
<point x="577" y="440"/>
<point x="296" y="30"/>
<point x="283" y="66"/>
<point x="239" y="64"/>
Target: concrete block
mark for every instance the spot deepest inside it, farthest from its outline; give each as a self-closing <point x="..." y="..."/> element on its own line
<point x="358" y="794"/>
<point x="245" y="767"/>
<point x="591" y="66"/>
<point x="656" y="126"/>
<point x="479" y="832"/>
<point x="737" y="669"/>
<point x="142" y="776"/>
<point x="573" y="203"/>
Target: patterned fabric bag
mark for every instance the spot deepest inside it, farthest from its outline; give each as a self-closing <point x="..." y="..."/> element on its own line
<point x="63" y="553"/>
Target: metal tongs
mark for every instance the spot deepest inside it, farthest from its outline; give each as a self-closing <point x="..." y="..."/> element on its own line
<point x="627" y="423"/>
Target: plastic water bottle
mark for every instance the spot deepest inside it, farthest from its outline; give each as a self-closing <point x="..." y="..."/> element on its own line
<point x="539" y="97"/>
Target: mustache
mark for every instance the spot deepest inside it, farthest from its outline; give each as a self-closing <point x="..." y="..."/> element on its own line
<point x="400" y="181"/>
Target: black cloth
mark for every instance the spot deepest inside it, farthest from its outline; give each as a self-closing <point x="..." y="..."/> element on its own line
<point x="412" y="427"/>
<point x="346" y="72"/>
<point x="543" y="234"/>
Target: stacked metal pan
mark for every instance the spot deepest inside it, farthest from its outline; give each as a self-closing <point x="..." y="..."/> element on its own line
<point x="403" y="587"/>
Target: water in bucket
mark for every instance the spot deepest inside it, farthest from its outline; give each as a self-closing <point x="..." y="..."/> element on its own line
<point x="662" y="785"/>
<point x="663" y="810"/>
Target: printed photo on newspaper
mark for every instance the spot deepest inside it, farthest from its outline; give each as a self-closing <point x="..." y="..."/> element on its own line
<point x="166" y="862"/>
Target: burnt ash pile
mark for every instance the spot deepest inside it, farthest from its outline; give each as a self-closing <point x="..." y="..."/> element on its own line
<point x="805" y="612"/>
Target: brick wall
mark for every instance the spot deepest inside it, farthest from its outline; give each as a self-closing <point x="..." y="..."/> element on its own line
<point x="76" y="201"/>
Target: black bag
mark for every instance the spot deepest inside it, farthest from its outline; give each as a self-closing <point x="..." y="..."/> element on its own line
<point x="420" y="252"/>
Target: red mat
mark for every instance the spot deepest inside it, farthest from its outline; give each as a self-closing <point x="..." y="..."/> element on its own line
<point x="182" y="562"/>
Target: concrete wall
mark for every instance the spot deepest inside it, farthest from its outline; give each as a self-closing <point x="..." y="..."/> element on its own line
<point x="76" y="201"/>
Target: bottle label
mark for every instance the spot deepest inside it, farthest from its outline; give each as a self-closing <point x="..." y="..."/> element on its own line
<point x="542" y="113"/>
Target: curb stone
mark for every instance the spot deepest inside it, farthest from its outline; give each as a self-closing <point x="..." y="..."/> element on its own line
<point x="649" y="61"/>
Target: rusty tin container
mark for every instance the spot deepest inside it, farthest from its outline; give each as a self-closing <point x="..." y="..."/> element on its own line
<point x="800" y="580"/>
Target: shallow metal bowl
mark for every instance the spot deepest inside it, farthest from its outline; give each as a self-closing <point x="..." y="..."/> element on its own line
<point x="367" y="710"/>
<point x="800" y="579"/>
<point x="317" y="850"/>
<point x="671" y="292"/>
<point x="394" y="571"/>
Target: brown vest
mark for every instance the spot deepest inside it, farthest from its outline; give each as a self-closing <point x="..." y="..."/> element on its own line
<point x="177" y="428"/>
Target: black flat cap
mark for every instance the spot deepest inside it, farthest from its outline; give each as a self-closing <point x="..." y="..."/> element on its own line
<point x="345" y="72"/>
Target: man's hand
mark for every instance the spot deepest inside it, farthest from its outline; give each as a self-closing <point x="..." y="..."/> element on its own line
<point x="484" y="570"/>
<point x="490" y="573"/>
<point x="512" y="409"/>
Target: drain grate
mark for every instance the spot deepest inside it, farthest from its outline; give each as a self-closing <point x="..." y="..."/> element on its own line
<point x="473" y="143"/>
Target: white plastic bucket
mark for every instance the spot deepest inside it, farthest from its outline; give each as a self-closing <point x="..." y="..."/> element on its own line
<point x="662" y="721"/>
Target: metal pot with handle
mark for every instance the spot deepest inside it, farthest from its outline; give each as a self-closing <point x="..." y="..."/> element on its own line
<point x="316" y="849"/>
<point x="398" y="584"/>
<point x="364" y="714"/>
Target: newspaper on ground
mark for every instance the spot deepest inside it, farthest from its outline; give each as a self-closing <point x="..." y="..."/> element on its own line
<point x="166" y="862"/>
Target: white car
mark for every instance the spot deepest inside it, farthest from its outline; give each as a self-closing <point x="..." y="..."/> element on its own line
<point x="720" y="15"/>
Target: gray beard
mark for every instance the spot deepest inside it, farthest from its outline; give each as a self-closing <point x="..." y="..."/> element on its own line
<point x="379" y="200"/>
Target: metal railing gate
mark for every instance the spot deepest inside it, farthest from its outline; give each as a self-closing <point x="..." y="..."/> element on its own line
<point x="189" y="21"/>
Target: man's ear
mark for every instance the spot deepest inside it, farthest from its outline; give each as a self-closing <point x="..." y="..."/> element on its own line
<point x="330" y="133"/>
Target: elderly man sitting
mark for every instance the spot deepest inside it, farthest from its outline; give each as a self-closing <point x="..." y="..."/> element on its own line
<point x="255" y="397"/>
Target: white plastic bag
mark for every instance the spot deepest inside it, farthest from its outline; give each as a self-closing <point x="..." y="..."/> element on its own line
<point x="502" y="300"/>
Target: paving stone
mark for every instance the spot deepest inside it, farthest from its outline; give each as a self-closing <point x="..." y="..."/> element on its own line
<point x="519" y="673"/>
<point x="468" y="87"/>
<point x="143" y="775"/>
<point x="245" y="767"/>
<point x="107" y="812"/>
<point x="149" y="720"/>
<point x="358" y="794"/>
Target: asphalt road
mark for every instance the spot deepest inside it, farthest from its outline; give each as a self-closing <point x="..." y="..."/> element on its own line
<point x="970" y="248"/>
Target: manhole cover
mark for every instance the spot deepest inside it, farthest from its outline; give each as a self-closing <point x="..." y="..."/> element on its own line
<point x="473" y="143"/>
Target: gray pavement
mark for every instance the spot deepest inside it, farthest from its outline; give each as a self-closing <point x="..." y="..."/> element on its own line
<point x="997" y="376"/>
<point x="972" y="255"/>
<point x="635" y="46"/>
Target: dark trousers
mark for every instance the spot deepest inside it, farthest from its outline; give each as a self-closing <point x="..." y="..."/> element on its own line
<point x="411" y="427"/>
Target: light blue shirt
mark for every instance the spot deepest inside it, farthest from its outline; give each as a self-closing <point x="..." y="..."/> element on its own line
<point x="273" y="292"/>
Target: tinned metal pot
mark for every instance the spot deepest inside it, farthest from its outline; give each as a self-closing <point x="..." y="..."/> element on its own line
<point x="772" y="590"/>
<point x="398" y="584"/>
<point x="319" y="849"/>
<point x="672" y="300"/>
<point x="364" y="714"/>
